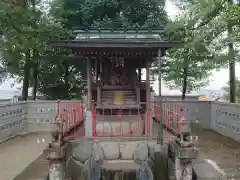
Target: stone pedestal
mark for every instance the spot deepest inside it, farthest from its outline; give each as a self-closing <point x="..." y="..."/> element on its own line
<point x="56" y="171"/>
<point x="56" y="157"/>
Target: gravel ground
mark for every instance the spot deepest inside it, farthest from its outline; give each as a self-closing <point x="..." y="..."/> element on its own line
<point x="219" y="151"/>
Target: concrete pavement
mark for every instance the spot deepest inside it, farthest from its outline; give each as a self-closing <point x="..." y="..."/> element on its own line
<point x="16" y="154"/>
<point x="22" y="158"/>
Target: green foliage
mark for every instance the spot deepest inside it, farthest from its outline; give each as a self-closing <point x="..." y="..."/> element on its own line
<point x="202" y="28"/>
<point x="186" y="67"/>
<point x="62" y="78"/>
<point x="180" y="67"/>
<point x="110" y="13"/>
<point x="27" y="33"/>
<point x="26" y="48"/>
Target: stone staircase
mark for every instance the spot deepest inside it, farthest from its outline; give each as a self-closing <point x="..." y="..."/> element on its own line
<point x="112" y="97"/>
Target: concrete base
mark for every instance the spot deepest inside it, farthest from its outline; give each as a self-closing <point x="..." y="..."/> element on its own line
<point x="88" y="124"/>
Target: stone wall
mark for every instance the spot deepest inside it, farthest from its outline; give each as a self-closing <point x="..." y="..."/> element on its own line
<point x="223" y="118"/>
<point x="12" y="120"/>
<point x="25" y="117"/>
<point x="36" y="116"/>
<point x="178" y="97"/>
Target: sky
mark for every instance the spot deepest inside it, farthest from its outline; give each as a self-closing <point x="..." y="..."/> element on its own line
<point x="218" y="78"/>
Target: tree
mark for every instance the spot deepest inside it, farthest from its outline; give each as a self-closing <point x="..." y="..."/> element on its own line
<point x="110" y="13"/>
<point x="26" y="46"/>
<point x="203" y="28"/>
<point x="226" y="90"/>
<point x="14" y="36"/>
<point x="62" y="78"/>
<point x="186" y="67"/>
<point x="212" y="19"/>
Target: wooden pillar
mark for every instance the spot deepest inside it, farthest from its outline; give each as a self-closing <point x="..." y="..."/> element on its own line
<point x="139" y="74"/>
<point x="159" y="73"/>
<point x="138" y="93"/>
<point x="147" y="80"/>
<point x="138" y="85"/>
<point x="101" y="71"/>
<point x="100" y="68"/>
<point x="160" y="129"/>
<point x="96" y="69"/>
<point x="89" y="83"/>
<point x="98" y="74"/>
<point x="148" y="98"/>
<point x="88" y="124"/>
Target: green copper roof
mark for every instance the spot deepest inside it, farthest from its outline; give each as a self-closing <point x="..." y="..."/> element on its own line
<point x="118" y="34"/>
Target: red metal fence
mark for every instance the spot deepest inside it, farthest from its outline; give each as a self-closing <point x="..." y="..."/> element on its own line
<point x="72" y="114"/>
<point x="171" y="114"/>
<point x="126" y="120"/>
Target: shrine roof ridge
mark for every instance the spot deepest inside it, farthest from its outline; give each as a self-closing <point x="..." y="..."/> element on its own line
<point x="118" y="38"/>
<point x="119" y="33"/>
<point x="118" y="30"/>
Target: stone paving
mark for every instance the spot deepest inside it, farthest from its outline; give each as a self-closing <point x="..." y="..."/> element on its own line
<point x="18" y="153"/>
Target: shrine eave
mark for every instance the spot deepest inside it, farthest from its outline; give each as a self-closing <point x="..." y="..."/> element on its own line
<point x="110" y="43"/>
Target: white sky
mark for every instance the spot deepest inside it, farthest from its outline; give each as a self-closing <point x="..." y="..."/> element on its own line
<point x="219" y="78"/>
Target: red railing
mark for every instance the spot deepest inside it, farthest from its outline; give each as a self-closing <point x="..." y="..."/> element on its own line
<point x="170" y="113"/>
<point x="125" y="120"/>
<point x="71" y="113"/>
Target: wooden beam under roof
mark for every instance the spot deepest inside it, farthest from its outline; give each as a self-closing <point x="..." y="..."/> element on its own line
<point x="113" y="52"/>
<point x="110" y="43"/>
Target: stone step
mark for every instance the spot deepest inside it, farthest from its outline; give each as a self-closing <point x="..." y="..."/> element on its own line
<point x="112" y="100"/>
<point x="125" y="98"/>
<point x="111" y="94"/>
<point x="119" y="118"/>
<point x="115" y="106"/>
<point x="111" y="97"/>
<point x="118" y="91"/>
<point x="127" y="94"/>
<point x="124" y="95"/>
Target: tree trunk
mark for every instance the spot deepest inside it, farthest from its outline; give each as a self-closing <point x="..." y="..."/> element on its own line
<point x="35" y="65"/>
<point x="184" y="85"/>
<point x="35" y="80"/>
<point x="232" y="79"/>
<point x="66" y="79"/>
<point x="27" y="67"/>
